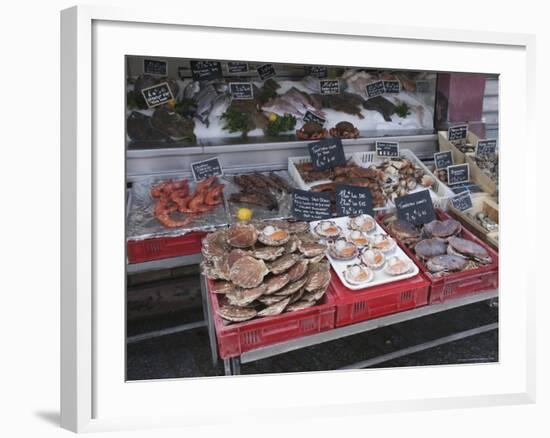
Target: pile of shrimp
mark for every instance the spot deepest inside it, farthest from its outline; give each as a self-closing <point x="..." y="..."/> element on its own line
<point x="176" y="196"/>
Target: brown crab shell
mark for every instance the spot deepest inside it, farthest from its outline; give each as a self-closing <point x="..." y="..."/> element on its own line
<point x="446" y="263"/>
<point x="248" y="272"/>
<point x="242" y="235"/>
<point x="275" y="283"/>
<point x="277" y="238"/>
<point x="283" y="263"/>
<point x="275" y="309"/>
<point x="468" y="249"/>
<point x="235" y="313"/>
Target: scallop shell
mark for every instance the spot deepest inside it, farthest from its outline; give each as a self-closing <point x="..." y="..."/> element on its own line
<point x="328" y="229"/>
<point x="342" y="250"/>
<point x="397" y="266"/>
<point x="373" y="258"/>
<point x="236" y="314"/>
<point x="383" y="242"/>
<point x="247" y="272"/>
<point x="357" y="274"/>
<point x="242" y="235"/>
<point x="272" y="236"/>
<point x="358" y="238"/>
<point x="276" y="283"/>
<point x="363" y="222"/>
<point x="275" y="309"/>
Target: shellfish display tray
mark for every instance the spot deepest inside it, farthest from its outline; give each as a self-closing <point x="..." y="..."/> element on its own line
<point x="142" y="224"/>
<point x="374" y="302"/>
<point x="456" y="284"/>
<point x="233" y="339"/>
<point x="380" y="277"/>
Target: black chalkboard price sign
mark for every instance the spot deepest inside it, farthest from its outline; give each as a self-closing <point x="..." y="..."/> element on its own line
<point x="206" y="168"/>
<point x="486" y="147"/>
<point x="353" y="200"/>
<point x="266" y="71"/>
<point x="327" y="153"/>
<point x="375" y="89"/>
<point x="458" y="173"/>
<point x="318" y="71"/>
<point x="458" y="132"/>
<point x="462" y="201"/>
<point x="237" y="67"/>
<point x="206" y="70"/>
<point x="155" y="67"/>
<point x="310" y="117"/>
<point x="423" y="86"/>
<point x="392" y="87"/>
<point x="387" y="149"/>
<point x="443" y="159"/>
<point x="157" y="94"/>
<point x="329" y="86"/>
<point x="241" y="90"/>
<point x="416" y="208"/>
<point x="311" y="206"/>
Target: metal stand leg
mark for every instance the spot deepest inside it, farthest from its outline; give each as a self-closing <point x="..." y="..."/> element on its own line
<point x="236" y="366"/>
<point x="209" y="321"/>
<point x="227" y="367"/>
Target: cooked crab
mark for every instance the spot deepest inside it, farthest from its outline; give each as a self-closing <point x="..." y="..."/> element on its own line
<point x="373" y="258"/>
<point x="397" y="266"/>
<point x="358" y="274"/>
<point x="442" y="229"/>
<point x="344" y="130"/>
<point x="446" y="263"/>
<point x="383" y="242"/>
<point x="404" y="231"/>
<point x="311" y="131"/>
<point x="273" y="236"/>
<point x="428" y="248"/>
<point x="328" y="229"/>
<point x="363" y="222"/>
<point x="468" y="249"/>
<point x="358" y="238"/>
<point x="341" y="249"/>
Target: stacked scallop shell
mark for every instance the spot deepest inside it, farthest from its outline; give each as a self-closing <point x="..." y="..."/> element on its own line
<point x="265" y="269"/>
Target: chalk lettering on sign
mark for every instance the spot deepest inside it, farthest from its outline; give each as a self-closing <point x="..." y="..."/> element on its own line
<point x="486" y="147"/>
<point x="329" y="86"/>
<point x="266" y="71"/>
<point x="387" y="149"/>
<point x="374" y="89"/>
<point x="458" y="173"/>
<point x="353" y="200"/>
<point x="241" y="90"/>
<point x="443" y="159"/>
<point x="206" y="168"/>
<point x="318" y="71"/>
<point x="457" y="133"/>
<point x="206" y="70"/>
<point x="237" y="67"/>
<point x="327" y="153"/>
<point x="392" y="87"/>
<point x="462" y="201"/>
<point x="423" y="86"/>
<point x="416" y="208"/>
<point x="157" y="94"/>
<point x="155" y="67"/>
<point x="310" y="206"/>
<point x="310" y="117"/>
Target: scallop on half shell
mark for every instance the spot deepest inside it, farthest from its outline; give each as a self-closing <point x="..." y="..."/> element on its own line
<point x="363" y="222"/>
<point x="383" y="242"/>
<point x="358" y="238"/>
<point x="343" y="250"/>
<point x="373" y="258"/>
<point x="273" y="236"/>
<point x="328" y="229"/>
<point x="358" y="274"/>
<point x="397" y="266"/>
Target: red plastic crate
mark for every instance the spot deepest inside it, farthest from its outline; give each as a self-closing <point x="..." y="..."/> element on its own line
<point x="458" y="284"/>
<point x="140" y="251"/>
<point x="354" y="306"/>
<point x="237" y="338"/>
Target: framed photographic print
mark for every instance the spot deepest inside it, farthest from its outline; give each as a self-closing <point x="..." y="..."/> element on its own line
<point x="233" y="215"/>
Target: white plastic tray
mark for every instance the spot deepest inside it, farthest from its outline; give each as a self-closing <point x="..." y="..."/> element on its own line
<point x="380" y="277"/>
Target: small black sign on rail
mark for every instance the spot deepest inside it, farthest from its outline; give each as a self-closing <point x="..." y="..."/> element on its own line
<point x="157" y="94"/>
<point x="155" y="67"/>
<point x="329" y="86"/>
<point x="206" y="70"/>
<point x="311" y="206"/>
<point x="327" y="153"/>
<point x="234" y="67"/>
<point x="392" y="87"/>
<point x="310" y="117"/>
<point x="318" y="71"/>
<point x="486" y="147"/>
<point x="353" y="200"/>
<point x="458" y="173"/>
<point x="458" y="132"/>
<point x="206" y="168"/>
<point x="375" y="89"/>
<point x="387" y="149"/>
<point x="416" y="208"/>
<point x="266" y="71"/>
<point x="443" y="159"/>
<point x="241" y="90"/>
<point x="462" y="201"/>
<point x="423" y="86"/>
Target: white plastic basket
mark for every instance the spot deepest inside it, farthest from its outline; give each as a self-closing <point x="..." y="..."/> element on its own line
<point x="297" y="178"/>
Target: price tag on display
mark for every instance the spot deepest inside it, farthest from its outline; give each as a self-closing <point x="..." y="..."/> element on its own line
<point x="157" y="94"/>
<point x="387" y="149"/>
<point x="416" y="208"/>
<point x="155" y="67"/>
<point x="237" y="67"/>
<point x="375" y="89"/>
<point x="423" y="86"/>
<point x="353" y="200"/>
<point x="241" y="90"/>
<point x="206" y="168"/>
<point x="318" y="71"/>
<point x="392" y="87"/>
<point x="310" y="117"/>
<point x="310" y="206"/>
<point x="486" y="147"/>
<point x="206" y="70"/>
<point x="443" y="159"/>
<point x="462" y="201"/>
<point x="458" y="132"/>
<point x="266" y="71"/>
<point x="329" y="86"/>
<point x="458" y="173"/>
<point x="327" y="153"/>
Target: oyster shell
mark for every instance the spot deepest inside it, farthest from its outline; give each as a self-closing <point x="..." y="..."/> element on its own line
<point x="273" y="236"/>
<point x="242" y="235"/>
<point x="275" y="309"/>
<point x="358" y="238"/>
<point x="298" y="270"/>
<point x="276" y="283"/>
<point x="397" y="266"/>
<point x="358" y="274"/>
<point x="268" y="253"/>
<point x="373" y="258"/>
<point x="283" y="263"/>
<point x="243" y="297"/>
<point x="363" y="222"/>
<point x="428" y="248"/>
<point x="235" y="313"/>
<point x="343" y="250"/>
<point x="383" y="242"/>
<point x="311" y="249"/>
<point x="247" y="272"/>
<point x="328" y="229"/>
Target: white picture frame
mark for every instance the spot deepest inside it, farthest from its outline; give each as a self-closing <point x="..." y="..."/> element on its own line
<point x="94" y="395"/>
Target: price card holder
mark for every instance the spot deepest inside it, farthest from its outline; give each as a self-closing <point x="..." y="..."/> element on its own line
<point x="206" y="70"/>
<point x="310" y="117"/>
<point x="157" y="94"/>
<point x="318" y="71"/>
<point x="462" y="201"/>
<point x="327" y="153"/>
<point x="486" y="147"/>
<point x="458" y="173"/>
<point x="387" y="149"/>
<point x="329" y="86"/>
<point x="236" y="67"/>
<point x="457" y="133"/>
<point x="266" y="71"/>
<point x="416" y="208"/>
<point x="241" y="90"/>
<point x="374" y="89"/>
<point x="443" y="159"/>
<point x="392" y="87"/>
<point x="155" y="67"/>
<point x="206" y="168"/>
<point x="311" y="206"/>
<point x="353" y="200"/>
